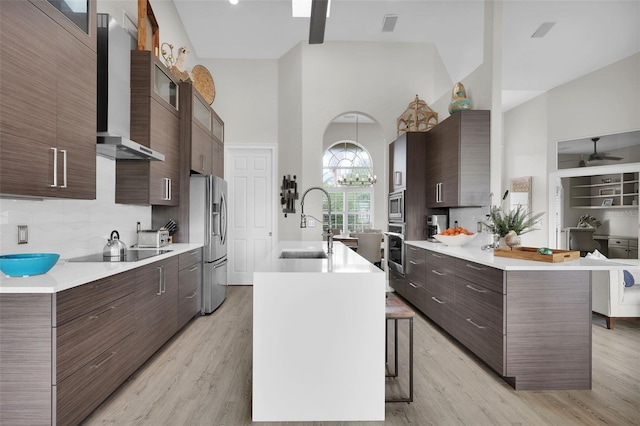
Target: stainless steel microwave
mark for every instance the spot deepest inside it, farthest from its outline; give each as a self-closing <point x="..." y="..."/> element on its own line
<point x="396" y="206"/>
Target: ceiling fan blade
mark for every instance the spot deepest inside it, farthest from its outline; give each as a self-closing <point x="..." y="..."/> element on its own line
<point x="318" y="21"/>
<point x="610" y="157"/>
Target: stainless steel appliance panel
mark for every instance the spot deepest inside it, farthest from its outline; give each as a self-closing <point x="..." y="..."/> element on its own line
<point x="208" y="226"/>
<point x="215" y="292"/>
<point x="208" y="215"/>
<point x="394" y="239"/>
<point x="396" y="207"/>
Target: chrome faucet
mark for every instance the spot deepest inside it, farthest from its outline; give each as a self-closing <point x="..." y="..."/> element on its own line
<point x="303" y="217"/>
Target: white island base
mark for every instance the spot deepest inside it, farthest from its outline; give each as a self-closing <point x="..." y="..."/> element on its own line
<point x="318" y="338"/>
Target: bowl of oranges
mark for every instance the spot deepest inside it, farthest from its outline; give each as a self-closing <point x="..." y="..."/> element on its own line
<point x="455" y="236"/>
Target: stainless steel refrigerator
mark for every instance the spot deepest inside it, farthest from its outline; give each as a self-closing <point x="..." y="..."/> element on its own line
<point x="208" y="225"/>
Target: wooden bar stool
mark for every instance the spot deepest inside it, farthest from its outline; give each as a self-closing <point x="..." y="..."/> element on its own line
<point x="396" y="310"/>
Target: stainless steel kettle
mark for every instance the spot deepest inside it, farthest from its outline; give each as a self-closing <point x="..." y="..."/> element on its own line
<point x="115" y="249"/>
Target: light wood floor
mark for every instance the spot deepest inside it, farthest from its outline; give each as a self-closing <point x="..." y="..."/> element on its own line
<point x="203" y="377"/>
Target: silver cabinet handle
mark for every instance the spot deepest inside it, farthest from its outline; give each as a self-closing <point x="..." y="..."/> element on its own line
<point x="192" y="269"/>
<point x="159" y="293"/>
<point x="413" y="285"/>
<point x="192" y="295"/>
<point x="475" y="289"/>
<point x="167" y="189"/>
<point x="98" y="365"/>
<point x="437" y="273"/>
<point x="437" y="300"/>
<point x="437" y="255"/>
<point x="413" y="263"/>
<point x="64" y="168"/>
<point x="475" y="267"/>
<point x="481" y="327"/>
<point x="194" y="252"/>
<point x="412" y="248"/>
<point x="55" y="168"/>
<point x="96" y="316"/>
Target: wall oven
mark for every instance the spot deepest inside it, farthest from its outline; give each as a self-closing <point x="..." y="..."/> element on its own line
<point x="395" y="247"/>
<point x="396" y="206"/>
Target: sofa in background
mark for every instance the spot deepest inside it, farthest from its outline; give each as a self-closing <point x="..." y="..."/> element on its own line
<point x="611" y="299"/>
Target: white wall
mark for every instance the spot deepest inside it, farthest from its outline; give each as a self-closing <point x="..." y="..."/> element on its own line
<point x="602" y="102"/>
<point x="72" y="227"/>
<point x="378" y="79"/>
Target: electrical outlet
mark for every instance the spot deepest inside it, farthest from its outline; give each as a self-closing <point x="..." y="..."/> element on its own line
<point x="311" y="223"/>
<point x="23" y="234"/>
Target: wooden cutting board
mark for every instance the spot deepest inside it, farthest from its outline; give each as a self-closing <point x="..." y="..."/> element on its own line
<point x="531" y="253"/>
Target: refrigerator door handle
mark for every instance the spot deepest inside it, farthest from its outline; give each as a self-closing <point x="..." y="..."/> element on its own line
<point x="223" y="218"/>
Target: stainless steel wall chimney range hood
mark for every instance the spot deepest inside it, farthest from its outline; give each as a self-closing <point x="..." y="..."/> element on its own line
<point x="114" y="93"/>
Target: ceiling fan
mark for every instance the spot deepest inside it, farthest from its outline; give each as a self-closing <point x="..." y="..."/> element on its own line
<point x="318" y="21"/>
<point x="596" y="156"/>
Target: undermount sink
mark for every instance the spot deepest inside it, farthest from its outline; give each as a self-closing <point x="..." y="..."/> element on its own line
<point x="303" y="254"/>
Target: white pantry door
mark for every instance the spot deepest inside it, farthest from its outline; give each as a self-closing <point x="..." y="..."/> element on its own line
<point x="249" y="173"/>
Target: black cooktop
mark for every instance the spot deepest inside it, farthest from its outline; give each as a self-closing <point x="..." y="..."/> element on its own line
<point x="129" y="256"/>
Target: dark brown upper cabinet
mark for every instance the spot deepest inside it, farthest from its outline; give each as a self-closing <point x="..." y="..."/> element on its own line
<point x="47" y="102"/>
<point x="155" y="123"/>
<point x="457" y="161"/>
<point x="202" y="133"/>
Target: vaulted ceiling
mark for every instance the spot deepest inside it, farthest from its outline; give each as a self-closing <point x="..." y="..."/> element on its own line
<point x="587" y="35"/>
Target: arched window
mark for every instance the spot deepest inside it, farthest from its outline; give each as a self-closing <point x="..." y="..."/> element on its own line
<point x="348" y="176"/>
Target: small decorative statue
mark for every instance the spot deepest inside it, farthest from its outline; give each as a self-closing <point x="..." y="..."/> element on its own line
<point x="418" y="117"/>
<point x="176" y="65"/>
<point x="459" y="99"/>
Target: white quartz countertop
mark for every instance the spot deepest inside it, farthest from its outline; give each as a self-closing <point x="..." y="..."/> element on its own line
<point x="343" y="260"/>
<point x="65" y="275"/>
<point x="473" y="253"/>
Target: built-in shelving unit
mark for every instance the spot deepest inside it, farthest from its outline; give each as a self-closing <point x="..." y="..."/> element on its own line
<point x="606" y="191"/>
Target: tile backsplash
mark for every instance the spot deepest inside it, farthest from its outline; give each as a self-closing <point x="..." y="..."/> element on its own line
<point x="72" y="227"/>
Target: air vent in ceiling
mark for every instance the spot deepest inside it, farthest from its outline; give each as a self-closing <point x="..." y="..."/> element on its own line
<point x="542" y="30"/>
<point x="389" y="23"/>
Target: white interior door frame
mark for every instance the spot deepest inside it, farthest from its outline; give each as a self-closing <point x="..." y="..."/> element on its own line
<point x="242" y="251"/>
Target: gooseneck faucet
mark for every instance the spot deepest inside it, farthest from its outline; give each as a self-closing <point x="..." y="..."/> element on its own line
<point x="303" y="217"/>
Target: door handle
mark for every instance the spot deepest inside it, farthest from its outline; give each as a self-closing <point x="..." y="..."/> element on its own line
<point x="481" y="327"/>
<point x="437" y="300"/>
<point x="159" y="293"/>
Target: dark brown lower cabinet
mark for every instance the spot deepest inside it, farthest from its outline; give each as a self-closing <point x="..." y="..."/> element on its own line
<point x="189" y="284"/>
<point x="63" y="354"/>
<point x="532" y="327"/>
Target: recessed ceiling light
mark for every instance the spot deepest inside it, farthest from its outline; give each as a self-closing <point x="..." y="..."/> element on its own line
<point x="389" y="23"/>
<point x="233" y="1"/>
<point x="542" y="30"/>
<point x="302" y="8"/>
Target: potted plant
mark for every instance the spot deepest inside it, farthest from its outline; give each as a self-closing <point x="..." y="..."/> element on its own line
<point x="517" y="220"/>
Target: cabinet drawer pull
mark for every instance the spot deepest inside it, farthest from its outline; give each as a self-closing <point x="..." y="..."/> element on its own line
<point x="412" y="248"/>
<point x="160" y="274"/>
<point x="64" y="168"/>
<point x="437" y="255"/>
<point x="475" y="267"/>
<point x="413" y="263"/>
<point x="475" y="289"/>
<point x="437" y="300"/>
<point x="413" y="285"/>
<point x="194" y="252"/>
<point x="437" y="273"/>
<point x="193" y="269"/>
<point x="481" y="327"/>
<point x="55" y="168"/>
<point x="96" y="316"/>
<point x="98" y="365"/>
<point x="192" y="295"/>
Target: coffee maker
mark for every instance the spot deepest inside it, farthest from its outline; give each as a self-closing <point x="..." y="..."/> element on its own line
<point x="436" y="223"/>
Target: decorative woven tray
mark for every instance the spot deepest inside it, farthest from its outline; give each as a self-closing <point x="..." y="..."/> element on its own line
<point x="531" y="253"/>
<point x="203" y="82"/>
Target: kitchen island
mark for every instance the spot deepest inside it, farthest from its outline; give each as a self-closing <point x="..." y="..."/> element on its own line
<point x="318" y="337"/>
<point x="529" y="321"/>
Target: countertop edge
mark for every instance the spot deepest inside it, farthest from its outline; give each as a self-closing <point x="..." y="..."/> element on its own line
<point x="473" y="253"/>
<point x="65" y="275"/>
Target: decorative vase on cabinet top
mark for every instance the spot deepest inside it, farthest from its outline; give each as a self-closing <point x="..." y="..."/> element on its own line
<point x="459" y="99"/>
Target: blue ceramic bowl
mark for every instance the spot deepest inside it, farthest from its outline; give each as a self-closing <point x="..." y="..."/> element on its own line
<point x="22" y="265"/>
